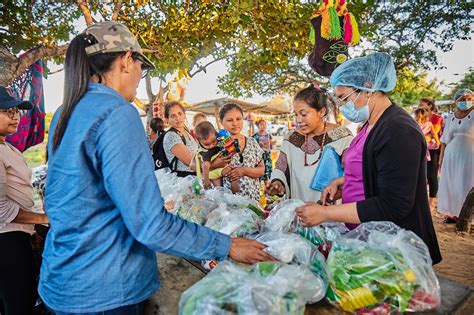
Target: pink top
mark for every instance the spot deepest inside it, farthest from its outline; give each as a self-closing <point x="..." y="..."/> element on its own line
<point x="353" y="189"/>
<point x="426" y="129"/>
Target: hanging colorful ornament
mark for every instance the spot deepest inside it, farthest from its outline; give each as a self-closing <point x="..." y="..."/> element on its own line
<point x="333" y="29"/>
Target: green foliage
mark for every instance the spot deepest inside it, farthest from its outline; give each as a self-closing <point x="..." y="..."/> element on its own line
<point x="264" y="43"/>
<point x="401" y="28"/>
<point x="412" y="86"/>
<point x="466" y="83"/>
<point x="25" y="24"/>
<point x="35" y="155"/>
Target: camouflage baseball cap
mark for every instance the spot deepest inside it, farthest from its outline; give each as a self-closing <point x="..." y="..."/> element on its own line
<point x="114" y="37"/>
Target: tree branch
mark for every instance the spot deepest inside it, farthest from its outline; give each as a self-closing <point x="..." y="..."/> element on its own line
<point x="118" y="7"/>
<point x="202" y="68"/>
<point x="152" y="51"/>
<point x="149" y="91"/>
<point x="16" y="66"/>
<point x="85" y="11"/>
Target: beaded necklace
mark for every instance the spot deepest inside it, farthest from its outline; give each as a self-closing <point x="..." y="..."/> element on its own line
<point x="320" y="151"/>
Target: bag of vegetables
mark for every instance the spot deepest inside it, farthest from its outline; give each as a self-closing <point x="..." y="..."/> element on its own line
<point x="264" y="288"/>
<point x="381" y="268"/>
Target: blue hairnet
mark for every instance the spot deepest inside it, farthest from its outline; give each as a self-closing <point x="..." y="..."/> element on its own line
<point x="462" y="92"/>
<point x="375" y="72"/>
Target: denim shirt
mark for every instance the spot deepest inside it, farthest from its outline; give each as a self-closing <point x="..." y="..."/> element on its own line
<point x="106" y="212"/>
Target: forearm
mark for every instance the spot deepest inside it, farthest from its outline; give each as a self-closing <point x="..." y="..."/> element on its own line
<point x="29" y="217"/>
<point x="192" y="164"/>
<point x="340" y="181"/>
<point x="182" y="153"/>
<point x="206" y="167"/>
<point x="346" y="213"/>
<point x="441" y="152"/>
<point x="254" y="172"/>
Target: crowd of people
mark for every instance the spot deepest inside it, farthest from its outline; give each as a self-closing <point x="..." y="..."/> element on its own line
<point x="107" y="218"/>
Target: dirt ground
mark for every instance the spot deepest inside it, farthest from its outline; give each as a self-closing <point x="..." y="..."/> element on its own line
<point x="457" y="250"/>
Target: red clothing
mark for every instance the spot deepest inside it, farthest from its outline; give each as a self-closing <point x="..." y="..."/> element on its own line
<point x="437" y="121"/>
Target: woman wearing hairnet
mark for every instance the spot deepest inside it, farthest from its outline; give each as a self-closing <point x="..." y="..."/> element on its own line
<point x="457" y="157"/>
<point x="385" y="166"/>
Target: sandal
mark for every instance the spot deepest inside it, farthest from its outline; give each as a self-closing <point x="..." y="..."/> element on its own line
<point x="450" y="220"/>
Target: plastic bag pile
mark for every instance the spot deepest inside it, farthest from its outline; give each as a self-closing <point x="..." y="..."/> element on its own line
<point x="283" y="287"/>
<point x="378" y="268"/>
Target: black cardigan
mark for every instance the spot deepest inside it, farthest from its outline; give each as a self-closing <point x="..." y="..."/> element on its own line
<point x="394" y="175"/>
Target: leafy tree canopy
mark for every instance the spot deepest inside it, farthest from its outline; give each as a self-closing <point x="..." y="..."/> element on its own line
<point x="466" y="83"/>
<point x="264" y="43"/>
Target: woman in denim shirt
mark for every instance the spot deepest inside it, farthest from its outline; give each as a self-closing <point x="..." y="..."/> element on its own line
<point x="106" y="214"/>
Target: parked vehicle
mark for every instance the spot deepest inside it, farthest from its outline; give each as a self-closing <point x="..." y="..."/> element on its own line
<point x="277" y="129"/>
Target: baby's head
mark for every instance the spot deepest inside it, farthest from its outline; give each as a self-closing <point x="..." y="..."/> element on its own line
<point x="206" y="135"/>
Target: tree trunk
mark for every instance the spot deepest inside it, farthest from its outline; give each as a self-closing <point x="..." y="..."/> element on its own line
<point x="8" y="64"/>
<point x="465" y="217"/>
<point x="13" y="67"/>
<point x="86" y="12"/>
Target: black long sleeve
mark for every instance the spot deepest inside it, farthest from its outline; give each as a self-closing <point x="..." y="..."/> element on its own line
<point x="398" y="163"/>
<point x="394" y="176"/>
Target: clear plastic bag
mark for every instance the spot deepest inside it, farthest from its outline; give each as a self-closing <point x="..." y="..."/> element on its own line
<point x="282" y="216"/>
<point x="290" y="248"/>
<point x="237" y="222"/>
<point x="381" y="267"/>
<point x="195" y="209"/>
<point x="264" y="288"/>
<point x="172" y="186"/>
<point x="321" y="235"/>
<point x="223" y="195"/>
<point x="38" y="177"/>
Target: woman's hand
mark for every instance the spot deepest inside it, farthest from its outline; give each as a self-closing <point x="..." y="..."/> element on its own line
<point x="28" y="217"/>
<point x="248" y="251"/>
<point x="236" y="173"/>
<point x="220" y="161"/>
<point x="311" y="214"/>
<point x="275" y="188"/>
<point x="332" y="192"/>
<point x="207" y="184"/>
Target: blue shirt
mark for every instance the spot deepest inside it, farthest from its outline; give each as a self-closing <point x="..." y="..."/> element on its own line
<point x="106" y="212"/>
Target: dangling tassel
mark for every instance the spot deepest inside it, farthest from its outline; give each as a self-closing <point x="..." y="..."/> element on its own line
<point x="335" y="26"/>
<point x="341" y="8"/>
<point x="312" y="35"/>
<point x="355" y="31"/>
<point x="325" y="24"/>
<point x="347" y="29"/>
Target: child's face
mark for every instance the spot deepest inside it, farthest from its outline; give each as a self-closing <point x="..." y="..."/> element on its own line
<point x="210" y="142"/>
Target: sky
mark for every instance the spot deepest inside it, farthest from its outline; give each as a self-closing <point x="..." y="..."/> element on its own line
<point x="204" y="85"/>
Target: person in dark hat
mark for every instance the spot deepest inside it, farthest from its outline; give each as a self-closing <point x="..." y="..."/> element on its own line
<point x="17" y="270"/>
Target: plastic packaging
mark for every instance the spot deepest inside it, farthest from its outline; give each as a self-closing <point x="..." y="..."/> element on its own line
<point x="223" y="195"/>
<point x="264" y="288"/>
<point x="238" y="223"/>
<point x="173" y="187"/>
<point x="380" y="266"/>
<point x="329" y="168"/>
<point x="282" y="216"/>
<point x="38" y="177"/>
<point x="321" y="235"/>
<point x="290" y="248"/>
